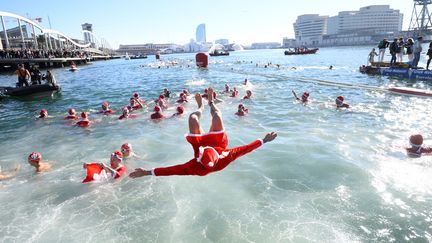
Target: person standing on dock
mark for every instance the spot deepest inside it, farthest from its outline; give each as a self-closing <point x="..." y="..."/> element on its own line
<point x="393" y="51"/>
<point x="417" y="50"/>
<point x="23" y="76"/>
<point x="400" y="52"/>
<point x="429" y="54"/>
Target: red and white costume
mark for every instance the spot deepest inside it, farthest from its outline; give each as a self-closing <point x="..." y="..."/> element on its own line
<point x="97" y="174"/>
<point x="217" y="141"/>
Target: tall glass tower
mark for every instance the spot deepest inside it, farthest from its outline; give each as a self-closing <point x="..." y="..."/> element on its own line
<point x="201" y="33"/>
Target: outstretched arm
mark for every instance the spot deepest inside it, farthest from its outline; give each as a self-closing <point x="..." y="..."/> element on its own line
<point x="192" y="167"/>
<point x="295" y="95"/>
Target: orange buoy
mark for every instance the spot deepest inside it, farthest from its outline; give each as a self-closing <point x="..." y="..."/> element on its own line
<point x="201" y="59"/>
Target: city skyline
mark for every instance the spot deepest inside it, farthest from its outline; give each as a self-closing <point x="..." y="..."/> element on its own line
<point x="243" y="22"/>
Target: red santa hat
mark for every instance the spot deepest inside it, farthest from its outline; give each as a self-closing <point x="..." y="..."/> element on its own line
<point x="71" y="111"/>
<point x="105" y="104"/>
<point x="35" y="157"/>
<point x="136" y="95"/>
<point x="416" y="140"/>
<point x="180" y="109"/>
<point x="208" y="156"/>
<point x="84" y="114"/>
<point x="156" y="108"/>
<point x="306" y="94"/>
<point x="126" y="147"/>
<point x="117" y="154"/>
<point x="43" y="112"/>
<point x="340" y="98"/>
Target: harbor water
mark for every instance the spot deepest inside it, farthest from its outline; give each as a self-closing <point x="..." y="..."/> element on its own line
<point x="330" y="176"/>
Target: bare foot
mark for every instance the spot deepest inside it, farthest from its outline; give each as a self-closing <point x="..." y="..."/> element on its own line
<point x="210" y="94"/>
<point x="198" y="99"/>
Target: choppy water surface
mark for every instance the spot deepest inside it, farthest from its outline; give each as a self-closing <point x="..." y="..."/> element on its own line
<point x="330" y="176"/>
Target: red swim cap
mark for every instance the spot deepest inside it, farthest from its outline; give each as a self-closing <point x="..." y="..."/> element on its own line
<point x="43" y="112"/>
<point x="341" y="98"/>
<point x="185" y="91"/>
<point x="306" y="94"/>
<point x="117" y="154"/>
<point x="208" y="157"/>
<point x="161" y="97"/>
<point x="416" y="140"/>
<point x="157" y="108"/>
<point x="35" y="157"/>
<point x="136" y="95"/>
<point x="180" y="109"/>
<point x="71" y="111"/>
<point x="105" y="104"/>
<point x="126" y="147"/>
<point x="83" y="114"/>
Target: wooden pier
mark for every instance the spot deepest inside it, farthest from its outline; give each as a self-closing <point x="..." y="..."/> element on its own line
<point x="11" y="64"/>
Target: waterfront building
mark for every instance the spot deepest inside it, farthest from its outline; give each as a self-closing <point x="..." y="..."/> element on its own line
<point x="289" y="43"/>
<point x="309" y="29"/>
<point x="223" y="42"/>
<point x="201" y="34"/>
<point x="265" y="45"/>
<point x="88" y="38"/>
<point x="148" y="49"/>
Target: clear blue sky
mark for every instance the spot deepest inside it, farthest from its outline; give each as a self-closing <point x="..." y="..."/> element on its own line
<point x="169" y="21"/>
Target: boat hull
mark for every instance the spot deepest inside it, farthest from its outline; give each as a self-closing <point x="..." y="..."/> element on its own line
<point x="310" y="51"/>
<point x="407" y="73"/>
<point x="33" y="90"/>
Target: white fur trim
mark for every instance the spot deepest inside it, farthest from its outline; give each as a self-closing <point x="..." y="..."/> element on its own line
<point x="262" y="142"/>
<point x="152" y="172"/>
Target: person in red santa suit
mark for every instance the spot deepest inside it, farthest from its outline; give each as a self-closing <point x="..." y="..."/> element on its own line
<point x="210" y="149"/>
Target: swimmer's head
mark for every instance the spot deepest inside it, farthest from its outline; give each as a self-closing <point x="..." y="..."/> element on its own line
<point x="84" y="115"/>
<point x="205" y="90"/>
<point x="132" y="101"/>
<point x="71" y="111"/>
<point x="305" y="96"/>
<point x="339" y="100"/>
<point x="136" y="95"/>
<point x="416" y="140"/>
<point x="180" y="109"/>
<point x="157" y="109"/>
<point x="161" y="97"/>
<point x="105" y="106"/>
<point x="240" y="107"/>
<point x="34" y="158"/>
<point x="208" y="157"/>
<point x="116" y="159"/>
<point x="126" y="149"/>
<point x="185" y="92"/>
<point x="182" y="95"/>
<point x="43" y="113"/>
<point x="249" y="93"/>
<point x="125" y="110"/>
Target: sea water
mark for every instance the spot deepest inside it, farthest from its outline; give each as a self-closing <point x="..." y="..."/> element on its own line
<point x="330" y="176"/>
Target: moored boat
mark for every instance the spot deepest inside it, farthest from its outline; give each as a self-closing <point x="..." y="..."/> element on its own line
<point x="302" y="52"/>
<point x="39" y="89"/>
<point x="219" y="53"/>
<point x="408" y="73"/>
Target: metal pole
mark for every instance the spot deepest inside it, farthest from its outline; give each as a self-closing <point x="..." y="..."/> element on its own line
<point x="34" y="37"/>
<point x="5" y="33"/>
<point x="22" y="35"/>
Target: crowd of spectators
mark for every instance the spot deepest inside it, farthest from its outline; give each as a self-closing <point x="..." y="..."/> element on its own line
<point x="40" y="53"/>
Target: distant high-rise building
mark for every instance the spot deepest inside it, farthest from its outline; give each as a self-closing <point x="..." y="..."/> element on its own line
<point x="201" y="34"/>
<point x="87" y="36"/>
<point x="310" y="28"/>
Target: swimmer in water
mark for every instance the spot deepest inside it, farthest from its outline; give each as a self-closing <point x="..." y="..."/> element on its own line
<point x="157" y="113"/>
<point x="245" y="82"/>
<point x="137" y="96"/>
<point x="126" y="114"/>
<point x="35" y="160"/>
<point x="210" y="149"/>
<point x="161" y="102"/>
<point x="234" y="92"/>
<point x="331" y="67"/>
<point x="7" y="175"/>
<point x="215" y="99"/>
<point x="304" y="98"/>
<point x="242" y="111"/>
<point x="227" y="89"/>
<point x="416" y="149"/>
<point x="186" y="92"/>
<point x="180" y="111"/>
<point x="127" y="151"/>
<point x="205" y="95"/>
<point x="106" y="109"/>
<point x="135" y="103"/>
<point x="116" y="168"/>
<point x="248" y="95"/>
<point x="166" y="93"/>
<point x="340" y="103"/>
<point x="84" y="122"/>
<point x="71" y="114"/>
<point x="43" y="114"/>
<point x="182" y="98"/>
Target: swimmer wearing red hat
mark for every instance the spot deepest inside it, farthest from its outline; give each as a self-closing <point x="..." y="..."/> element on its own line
<point x="416" y="149"/>
<point x="135" y="104"/>
<point x="182" y="98"/>
<point x="241" y="111"/>
<point x="340" y="102"/>
<point x="248" y="95"/>
<point x="234" y="92"/>
<point x="71" y="115"/>
<point x="186" y="92"/>
<point x="161" y="102"/>
<point x="180" y="111"/>
<point x="84" y="122"/>
<point x="136" y="96"/>
<point x="114" y="171"/>
<point x="210" y="149"/>
<point x="126" y="114"/>
<point x="127" y="151"/>
<point x="43" y="114"/>
<point x="157" y="113"/>
<point x="304" y="98"/>
<point x="35" y="160"/>
<point x="106" y="109"/>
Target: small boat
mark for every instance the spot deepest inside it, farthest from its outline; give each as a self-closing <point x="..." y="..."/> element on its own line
<point x="387" y="64"/>
<point x="396" y="72"/>
<point x="302" y="52"/>
<point x="410" y="91"/>
<point x="219" y="53"/>
<point x="32" y="90"/>
<point x="138" y="57"/>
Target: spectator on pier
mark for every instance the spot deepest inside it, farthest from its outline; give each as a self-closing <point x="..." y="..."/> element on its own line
<point x="382" y="47"/>
<point x="400" y="49"/>
<point x="417" y="50"/>
<point x="409" y="49"/>
<point x="23" y="76"/>
<point x="393" y="51"/>
<point x="429" y="53"/>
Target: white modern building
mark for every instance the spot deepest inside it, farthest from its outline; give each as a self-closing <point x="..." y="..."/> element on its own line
<point x="222" y="41"/>
<point x="309" y="29"/>
<point x="373" y="19"/>
<point x="201" y="34"/>
<point x="88" y="38"/>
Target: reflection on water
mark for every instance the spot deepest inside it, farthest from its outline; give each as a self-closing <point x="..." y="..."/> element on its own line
<point x="331" y="176"/>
